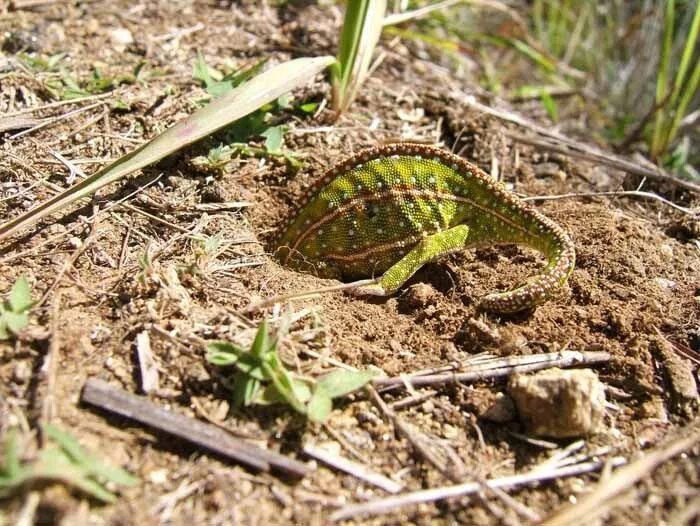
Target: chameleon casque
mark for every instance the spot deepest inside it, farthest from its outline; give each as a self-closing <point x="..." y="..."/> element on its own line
<point x="388" y="210"/>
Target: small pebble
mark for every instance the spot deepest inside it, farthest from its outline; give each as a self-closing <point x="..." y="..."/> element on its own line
<point x="558" y="403"/>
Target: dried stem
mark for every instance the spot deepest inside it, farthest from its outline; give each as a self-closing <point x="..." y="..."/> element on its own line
<point x="622" y="193"/>
<point x="381" y="506"/>
<point x="597" y="502"/>
<point x="497" y="368"/>
<point x="105" y="396"/>
<point x="355" y="469"/>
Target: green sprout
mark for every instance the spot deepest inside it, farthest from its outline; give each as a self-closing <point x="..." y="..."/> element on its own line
<point x="64" y="460"/>
<point x="262" y="378"/>
<point x="14" y="310"/>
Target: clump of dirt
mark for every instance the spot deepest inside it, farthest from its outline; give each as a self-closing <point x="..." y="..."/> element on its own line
<point x="126" y="270"/>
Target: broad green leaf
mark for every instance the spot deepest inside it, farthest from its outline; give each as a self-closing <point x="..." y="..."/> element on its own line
<point x="269" y="395"/>
<point x="11" y="467"/>
<point x="216" y="89"/>
<point x="21" y="296"/>
<point x="223" y="353"/>
<point x="15" y="322"/>
<point x="203" y="72"/>
<point x="282" y="381"/>
<point x="55" y="464"/>
<point x="222" y="358"/>
<point x="309" y="107"/>
<point x="221" y="112"/>
<point x="252" y="366"/>
<point x="273" y="138"/>
<point x="341" y="382"/>
<point x="239" y="77"/>
<point x="245" y="389"/>
<point x="319" y="406"/>
<point x="4" y="335"/>
<point x="362" y="28"/>
<point x="302" y="389"/>
<point x="261" y="343"/>
<point x="550" y="106"/>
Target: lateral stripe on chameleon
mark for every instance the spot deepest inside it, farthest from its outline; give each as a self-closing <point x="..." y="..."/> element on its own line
<point x="389" y="210"/>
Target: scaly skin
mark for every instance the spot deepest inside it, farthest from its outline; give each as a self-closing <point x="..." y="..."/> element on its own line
<point x="389" y="210"/>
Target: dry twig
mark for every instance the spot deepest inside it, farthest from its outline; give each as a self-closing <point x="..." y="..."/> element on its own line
<point x="381" y="506"/>
<point x="598" y="501"/>
<point x="355" y="469"/>
<point x="621" y="193"/>
<point x="105" y="396"/>
<point x="496" y="368"/>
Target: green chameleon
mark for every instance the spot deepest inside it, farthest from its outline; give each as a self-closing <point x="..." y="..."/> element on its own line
<point x="387" y="211"/>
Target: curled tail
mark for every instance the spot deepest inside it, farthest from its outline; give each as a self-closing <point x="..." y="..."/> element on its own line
<point x="557" y="246"/>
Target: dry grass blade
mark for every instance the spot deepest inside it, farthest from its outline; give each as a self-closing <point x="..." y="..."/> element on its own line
<point x="230" y="107"/>
<point x="620" y="193"/>
<point x="355" y="469"/>
<point x="597" y="502"/>
<point x="381" y="506"/>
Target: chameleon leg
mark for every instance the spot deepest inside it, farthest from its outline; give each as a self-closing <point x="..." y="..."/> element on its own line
<point x="426" y="250"/>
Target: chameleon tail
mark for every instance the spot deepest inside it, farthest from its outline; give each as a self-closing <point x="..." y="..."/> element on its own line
<point x="557" y="246"/>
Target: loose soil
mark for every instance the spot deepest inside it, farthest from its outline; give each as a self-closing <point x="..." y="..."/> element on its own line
<point x="635" y="292"/>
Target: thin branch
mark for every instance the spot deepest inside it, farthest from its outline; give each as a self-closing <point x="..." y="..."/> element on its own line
<point x="60" y="103"/>
<point x="400" y="18"/>
<point x="593" y="504"/>
<point x="497" y="368"/>
<point x="50" y="366"/>
<point x="355" y="469"/>
<point x="381" y="506"/>
<point x="68" y="264"/>
<point x="53" y="120"/>
<point x="621" y="193"/>
<point x="110" y="398"/>
<point x="282" y="298"/>
<point x="449" y="464"/>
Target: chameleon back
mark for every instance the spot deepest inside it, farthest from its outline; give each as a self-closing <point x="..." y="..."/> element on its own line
<point x="373" y="208"/>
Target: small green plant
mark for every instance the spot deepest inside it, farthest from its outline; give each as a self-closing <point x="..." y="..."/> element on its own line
<point x="42" y="64"/>
<point x="258" y="123"/>
<point x="62" y="460"/>
<point x="14" y="310"/>
<point x="262" y="378"/>
<point x="64" y="85"/>
<point x="216" y="82"/>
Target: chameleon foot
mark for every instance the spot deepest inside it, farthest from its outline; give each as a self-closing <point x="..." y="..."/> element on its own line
<point x="375" y="289"/>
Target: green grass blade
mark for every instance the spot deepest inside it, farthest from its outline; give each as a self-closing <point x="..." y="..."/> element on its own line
<point x="687" y="55"/>
<point x="684" y="92"/>
<point x="662" y="78"/>
<point x="230" y="107"/>
<point x="688" y="93"/>
<point x="86" y="461"/>
<point x="362" y="27"/>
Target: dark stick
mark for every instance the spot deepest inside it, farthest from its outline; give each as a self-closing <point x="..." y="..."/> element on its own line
<point x="563" y="359"/>
<point x="105" y="396"/>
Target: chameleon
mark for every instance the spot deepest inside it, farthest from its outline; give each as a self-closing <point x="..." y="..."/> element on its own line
<point x="386" y="211"/>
